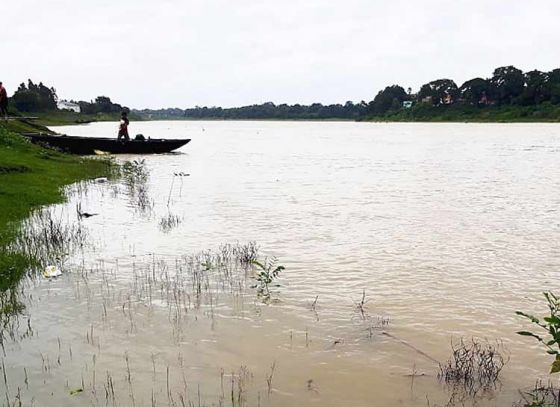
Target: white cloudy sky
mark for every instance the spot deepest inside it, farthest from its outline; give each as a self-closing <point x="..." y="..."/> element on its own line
<point x="166" y="53"/>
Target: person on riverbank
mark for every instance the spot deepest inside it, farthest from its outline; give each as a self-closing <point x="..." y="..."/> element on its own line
<point x="123" y="127"/>
<point x="3" y="102"/>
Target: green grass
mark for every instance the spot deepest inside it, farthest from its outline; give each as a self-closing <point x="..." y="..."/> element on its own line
<point x="65" y="117"/>
<point x="24" y="126"/>
<point x="30" y="177"/>
<point x="545" y="112"/>
<point x="61" y="118"/>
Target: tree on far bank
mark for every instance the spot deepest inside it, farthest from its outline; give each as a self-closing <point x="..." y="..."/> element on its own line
<point x="536" y="90"/>
<point x="390" y="98"/>
<point x="553" y="86"/>
<point x="102" y="104"/>
<point x="475" y="90"/>
<point x="509" y="83"/>
<point x="441" y="91"/>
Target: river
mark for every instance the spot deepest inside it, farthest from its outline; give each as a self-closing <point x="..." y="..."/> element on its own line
<point x="397" y="240"/>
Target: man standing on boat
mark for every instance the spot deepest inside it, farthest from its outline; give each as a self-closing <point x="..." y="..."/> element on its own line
<point x="3" y="102"/>
<point x="123" y="127"/>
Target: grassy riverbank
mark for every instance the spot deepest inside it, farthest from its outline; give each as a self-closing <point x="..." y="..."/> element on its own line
<point x="60" y="118"/>
<point x="421" y="112"/>
<point x="24" y="126"/>
<point x="31" y="176"/>
<point x="65" y="117"/>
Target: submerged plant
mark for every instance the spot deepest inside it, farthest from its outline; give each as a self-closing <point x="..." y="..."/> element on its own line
<point x="551" y="325"/>
<point x="542" y="395"/>
<point x="474" y="365"/>
<point x="361" y="306"/>
<point x="546" y="395"/>
<point x="169" y="222"/>
<point x="46" y="237"/>
<point x="247" y="253"/>
<point x="268" y="271"/>
<point x="135" y="171"/>
<point x="135" y="178"/>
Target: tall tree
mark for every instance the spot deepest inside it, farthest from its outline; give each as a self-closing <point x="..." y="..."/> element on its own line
<point x="473" y="91"/>
<point x="553" y="86"/>
<point x="439" y="91"/>
<point x="47" y="97"/>
<point x="390" y="98"/>
<point x="34" y="98"/>
<point x="104" y="105"/>
<point x="509" y="83"/>
<point x="536" y="90"/>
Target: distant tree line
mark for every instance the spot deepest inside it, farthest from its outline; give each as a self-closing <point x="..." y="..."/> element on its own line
<point x="40" y="98"/>
<point x="266" y="110"/>
<point x="101" y="104"/>
<point x="508" y="86"/>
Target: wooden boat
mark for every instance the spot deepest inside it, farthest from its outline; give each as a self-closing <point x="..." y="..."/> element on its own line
<point x="93" y="145"/>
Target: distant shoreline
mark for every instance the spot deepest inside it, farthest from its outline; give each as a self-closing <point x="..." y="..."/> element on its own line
<point x="421" y="112"/>
<point x="334" y="120"/>
<point x="508" y="96"/>
<point x="47" y="119"/>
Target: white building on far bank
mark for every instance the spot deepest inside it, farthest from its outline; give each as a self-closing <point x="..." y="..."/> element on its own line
<point x="64" y="105"/>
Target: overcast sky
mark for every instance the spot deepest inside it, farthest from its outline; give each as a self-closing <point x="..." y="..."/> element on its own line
<point x="182" y="53"/>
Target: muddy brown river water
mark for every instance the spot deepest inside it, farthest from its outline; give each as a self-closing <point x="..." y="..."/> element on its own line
<point x="396" y="239"/>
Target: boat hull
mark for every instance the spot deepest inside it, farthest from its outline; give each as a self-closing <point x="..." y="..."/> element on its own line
<point x="93" y="145"/>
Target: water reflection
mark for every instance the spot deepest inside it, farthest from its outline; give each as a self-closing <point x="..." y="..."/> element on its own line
<point x="169" y="222"/>
<point x="135" y="180"/>
<point x="48" y="236"/>
<point x="45" y="239"/>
